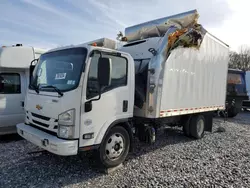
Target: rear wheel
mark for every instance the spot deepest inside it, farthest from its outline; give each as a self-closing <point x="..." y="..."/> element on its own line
<point x="197" y="126"/>
<point x="115" y="147"/>
<point x="232" y="112"/>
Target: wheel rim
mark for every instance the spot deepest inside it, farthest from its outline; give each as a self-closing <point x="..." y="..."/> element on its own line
<point x="114" y="146"/>
<point x="200" y="127"/>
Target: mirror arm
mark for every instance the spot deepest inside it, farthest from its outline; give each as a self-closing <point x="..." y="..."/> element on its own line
<point x="99" y="96"/>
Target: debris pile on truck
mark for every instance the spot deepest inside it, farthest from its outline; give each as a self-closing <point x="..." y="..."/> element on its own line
<point x="182" y="29"/>
<point x="187" y="37"/>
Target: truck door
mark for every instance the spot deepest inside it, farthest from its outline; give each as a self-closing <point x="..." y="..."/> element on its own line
<point x="12" y="90"/>
<point x="115" y="99"/>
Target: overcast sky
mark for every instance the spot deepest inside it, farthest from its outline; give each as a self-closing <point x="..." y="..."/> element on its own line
<point x="51" y="23"/>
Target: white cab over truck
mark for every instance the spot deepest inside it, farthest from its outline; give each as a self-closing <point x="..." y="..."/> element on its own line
<point x="171" y="71"/>
<point x="14" y="79"/>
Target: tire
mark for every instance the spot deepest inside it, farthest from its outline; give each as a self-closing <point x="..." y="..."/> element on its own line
<point x="114" y="147"/>
<point x="233" y="112"/>
<point x="197" y="126"/>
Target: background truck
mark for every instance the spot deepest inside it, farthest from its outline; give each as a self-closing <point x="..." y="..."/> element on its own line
<point x="246" y="101"/>
<point x="14" y="79"/>
<point x="170" y="71"/>
<point x="236" y="92"/>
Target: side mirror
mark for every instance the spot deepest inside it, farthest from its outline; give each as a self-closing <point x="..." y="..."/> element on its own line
<point x="32" y="67"/>
<point x="104" y="71"/>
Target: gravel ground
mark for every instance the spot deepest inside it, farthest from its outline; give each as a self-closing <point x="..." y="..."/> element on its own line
<point x="220" y="159"/>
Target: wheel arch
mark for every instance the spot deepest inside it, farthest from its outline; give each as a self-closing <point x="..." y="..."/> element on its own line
<point x="126" y="124"/>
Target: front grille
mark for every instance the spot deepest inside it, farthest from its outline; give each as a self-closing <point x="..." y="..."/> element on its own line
<point x="40" y="123"/>
<point x="44" y="130"/>
<point x="43" y="122"/>
<point x="40" y="117"/>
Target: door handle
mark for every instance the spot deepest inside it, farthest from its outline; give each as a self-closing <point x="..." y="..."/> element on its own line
<point x="22" y="104"/>
<point x="125" y="106"/>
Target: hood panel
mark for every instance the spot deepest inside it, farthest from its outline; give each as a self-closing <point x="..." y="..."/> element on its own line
<point x="51" y="106"/>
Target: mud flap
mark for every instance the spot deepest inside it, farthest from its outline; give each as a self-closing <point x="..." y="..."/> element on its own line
<point x="131" y="136"/>
<point x="185" y="122"/>
<point x="209" y="122"/>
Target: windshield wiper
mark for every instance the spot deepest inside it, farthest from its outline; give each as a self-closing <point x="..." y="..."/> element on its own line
<point x="36" y="88"/>
<point x="55" y="88"/>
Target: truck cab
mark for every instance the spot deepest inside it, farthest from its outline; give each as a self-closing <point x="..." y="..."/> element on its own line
<point x="79" y="98"/>
<point x="236" y="91"/>
<point x="14" y="74"/>
<point x="246" y="102"/>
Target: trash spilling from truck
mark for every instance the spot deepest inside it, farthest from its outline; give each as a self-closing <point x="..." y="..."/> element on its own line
<point x="182" y="30"/>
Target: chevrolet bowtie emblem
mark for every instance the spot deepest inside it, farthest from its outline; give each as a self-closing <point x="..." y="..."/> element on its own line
<point x="38" y="107"/>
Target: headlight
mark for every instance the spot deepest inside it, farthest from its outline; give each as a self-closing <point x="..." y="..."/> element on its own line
<point x="67" y="118"/>
<point x="65" y="131"/>
<point x="66" y="124"/>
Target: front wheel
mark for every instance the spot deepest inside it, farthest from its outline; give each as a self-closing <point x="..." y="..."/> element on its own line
<point x="115" y="147"/>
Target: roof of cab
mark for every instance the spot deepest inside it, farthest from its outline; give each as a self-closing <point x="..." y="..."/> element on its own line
<point x="88" y="47"/>
<point x="67" y="47"/>
<point x="104" y="43"/>
<point x="235" y="70"/>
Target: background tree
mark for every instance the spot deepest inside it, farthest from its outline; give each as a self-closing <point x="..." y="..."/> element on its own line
<point x="240" y="60"/>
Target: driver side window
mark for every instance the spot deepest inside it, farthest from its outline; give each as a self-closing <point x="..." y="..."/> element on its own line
<point x="118" y="74"/>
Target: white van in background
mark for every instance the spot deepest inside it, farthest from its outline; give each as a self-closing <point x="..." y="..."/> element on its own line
<point x="14" y="79"/>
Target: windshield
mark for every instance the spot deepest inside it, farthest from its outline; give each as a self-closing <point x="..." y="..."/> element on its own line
<point x="61" y="69"/>
<point x="234" y="78"/>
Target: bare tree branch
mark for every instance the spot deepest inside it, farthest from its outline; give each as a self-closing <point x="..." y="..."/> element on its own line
<point x="240" y="60"/>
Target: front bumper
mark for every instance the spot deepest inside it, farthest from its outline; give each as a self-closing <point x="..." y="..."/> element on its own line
<point x="246" y="104"/>
<point x="48" y="142"/>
